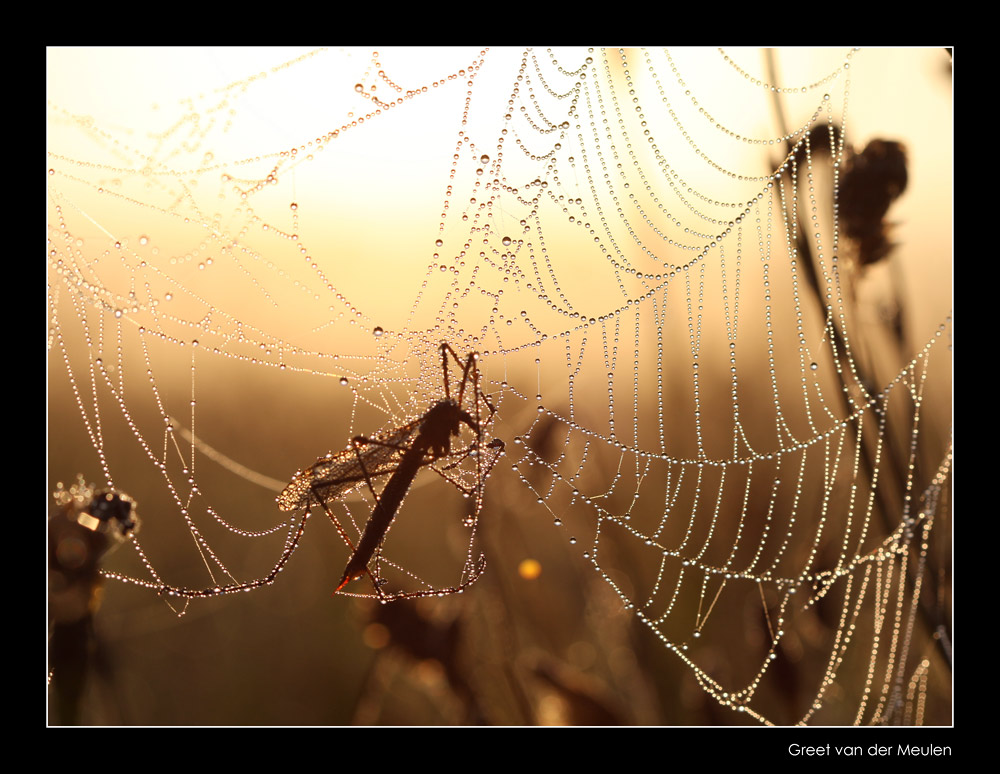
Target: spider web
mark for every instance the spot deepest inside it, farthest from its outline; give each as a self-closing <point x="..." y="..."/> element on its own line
<point x="707" y="395"/>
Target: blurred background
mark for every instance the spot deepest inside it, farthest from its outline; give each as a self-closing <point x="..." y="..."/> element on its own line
<point x="266" y="246"/>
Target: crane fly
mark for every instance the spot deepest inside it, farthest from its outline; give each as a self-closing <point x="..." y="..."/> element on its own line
<point x="400" y="453"/>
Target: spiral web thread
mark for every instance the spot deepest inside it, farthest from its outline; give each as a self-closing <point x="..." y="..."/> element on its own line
<point x="668" y="320"/>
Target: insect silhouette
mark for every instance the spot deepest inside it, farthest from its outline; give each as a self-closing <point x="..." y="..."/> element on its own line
<point x="401" y="452"/>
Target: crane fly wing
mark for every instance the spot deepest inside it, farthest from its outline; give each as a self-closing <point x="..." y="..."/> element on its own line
<point x="330" y="477"/>
<point x="336" y="475"/>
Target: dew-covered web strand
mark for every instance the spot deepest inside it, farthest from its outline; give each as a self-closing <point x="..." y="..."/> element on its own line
<point x="857" y="410"/>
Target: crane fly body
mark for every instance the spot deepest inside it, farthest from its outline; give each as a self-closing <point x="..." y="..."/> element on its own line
<point x="399" y="453"/>
<point x="432" y="442"/>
